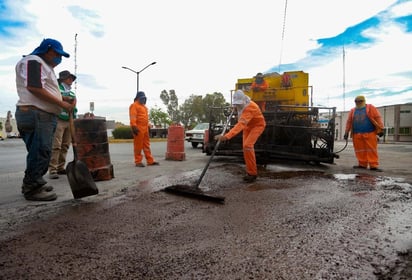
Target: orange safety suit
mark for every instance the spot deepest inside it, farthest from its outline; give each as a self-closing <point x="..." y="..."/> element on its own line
<point x="252" y="123"/>
<point x="366" y="144"/>
<point x="139" y="118"/>
<point x="260" y="87"/>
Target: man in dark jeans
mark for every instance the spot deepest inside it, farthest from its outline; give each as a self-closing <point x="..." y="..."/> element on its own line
<point x="39" y="103"/>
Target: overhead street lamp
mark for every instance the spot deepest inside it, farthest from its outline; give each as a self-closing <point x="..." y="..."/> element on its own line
<point x="137" y="73"/>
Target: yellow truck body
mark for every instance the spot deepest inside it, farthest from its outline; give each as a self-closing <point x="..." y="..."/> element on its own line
<point x="289" y="88"/>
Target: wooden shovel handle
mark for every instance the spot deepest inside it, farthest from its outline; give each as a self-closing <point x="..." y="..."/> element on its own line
<point x="73" y="134"/>
<point x="72" y="129"/>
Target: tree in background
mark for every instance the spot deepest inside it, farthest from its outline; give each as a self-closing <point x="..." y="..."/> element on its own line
<point x="195" y="109"/>
<point x="214" y="101"/>
<point x="159" y="118"/>
<point x="171" y="102"/>
<point x="191" y="111"/>
<point x="198" y="109"/>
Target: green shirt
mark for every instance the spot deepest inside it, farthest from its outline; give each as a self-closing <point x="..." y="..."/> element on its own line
<point x="66" y="92"/>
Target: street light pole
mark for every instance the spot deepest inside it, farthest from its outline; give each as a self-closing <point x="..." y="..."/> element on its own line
<point x="137" y="73"/>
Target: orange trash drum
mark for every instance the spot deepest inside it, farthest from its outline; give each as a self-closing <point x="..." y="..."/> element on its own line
<point x="176" y="143"/>
<point x="93" y="147"/>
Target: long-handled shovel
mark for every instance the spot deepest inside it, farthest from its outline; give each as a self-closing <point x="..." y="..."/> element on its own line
<point x="195" y="191"/>
<point x="80" y="179"/>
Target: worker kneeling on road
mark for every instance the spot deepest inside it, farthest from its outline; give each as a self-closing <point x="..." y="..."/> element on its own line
<point x="252" y="123"/>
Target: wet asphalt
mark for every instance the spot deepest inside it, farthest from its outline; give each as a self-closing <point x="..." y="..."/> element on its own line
<point x="297" y="221"/>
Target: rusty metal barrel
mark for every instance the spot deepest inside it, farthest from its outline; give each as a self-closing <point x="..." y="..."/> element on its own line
<point x="93" y="147"/>
<point x="175" y="143"/>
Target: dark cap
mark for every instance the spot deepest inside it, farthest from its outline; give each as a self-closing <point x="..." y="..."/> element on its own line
<point x="139" y="94"/>
<point x="46" y="44"/>
<point x="63" y="75"/>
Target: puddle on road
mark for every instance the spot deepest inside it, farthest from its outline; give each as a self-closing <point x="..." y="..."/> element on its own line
<point x="284" y="179"/>
<point x="360" y="184"/>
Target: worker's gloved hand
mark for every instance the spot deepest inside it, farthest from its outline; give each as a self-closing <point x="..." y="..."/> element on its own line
<point x="345" y="136"/>
<point x="220" y="138"/>
<point x="135" y="131"/>
<point x="380" y="134"/>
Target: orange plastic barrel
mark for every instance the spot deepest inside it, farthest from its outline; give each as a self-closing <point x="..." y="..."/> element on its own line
<point x="175" y="143"/>
<point x="93" y="147"/>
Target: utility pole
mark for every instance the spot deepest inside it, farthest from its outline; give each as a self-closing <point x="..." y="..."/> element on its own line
<point x="137" y="73"/>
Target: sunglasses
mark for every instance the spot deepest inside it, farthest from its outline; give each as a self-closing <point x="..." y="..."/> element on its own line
<point x="358" y="101"/>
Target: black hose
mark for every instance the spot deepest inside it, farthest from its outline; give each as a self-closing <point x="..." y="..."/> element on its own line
<point x="344" y="147"/>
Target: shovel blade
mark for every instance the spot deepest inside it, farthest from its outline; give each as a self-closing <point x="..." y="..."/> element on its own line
<point x="80" y="180"/>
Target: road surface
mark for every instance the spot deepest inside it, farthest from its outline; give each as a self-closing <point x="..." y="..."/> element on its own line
<point x="297" y="221"/>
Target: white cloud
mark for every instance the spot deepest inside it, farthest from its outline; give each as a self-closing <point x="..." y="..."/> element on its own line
<point x="202" y="47"/>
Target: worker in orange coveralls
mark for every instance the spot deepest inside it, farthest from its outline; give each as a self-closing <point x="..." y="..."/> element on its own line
<point x="252" y="123"/>
<point x="365" y="122"/>
<point x="139" y="123"/>
<point x="260" y="85"/>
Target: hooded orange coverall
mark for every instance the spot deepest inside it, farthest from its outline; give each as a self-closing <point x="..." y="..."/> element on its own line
<point x="260" y="87"/>
<point x="139" y="118"/>
<point x="366" y="144"/>
<point x="252" y="122"/>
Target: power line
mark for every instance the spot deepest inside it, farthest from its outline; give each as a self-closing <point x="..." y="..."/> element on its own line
<point x="283" y="33"/>
<point x="75" y="62"/>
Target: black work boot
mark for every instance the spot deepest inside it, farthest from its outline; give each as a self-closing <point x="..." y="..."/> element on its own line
<point x="25" y="188"/>
<point x="249" y="178"/>
<point x="40" y="194"/>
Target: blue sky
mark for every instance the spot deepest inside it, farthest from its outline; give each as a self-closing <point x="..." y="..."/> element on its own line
<point x="204" y="46"/>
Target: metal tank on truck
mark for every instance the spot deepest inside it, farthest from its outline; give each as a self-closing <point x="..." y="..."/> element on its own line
<point x="295" y="129"/>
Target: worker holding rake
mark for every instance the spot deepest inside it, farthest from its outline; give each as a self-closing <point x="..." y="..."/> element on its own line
<point x="252" y="122"/>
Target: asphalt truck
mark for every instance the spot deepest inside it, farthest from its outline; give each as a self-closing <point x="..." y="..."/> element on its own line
<point x="295" y="129"/>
